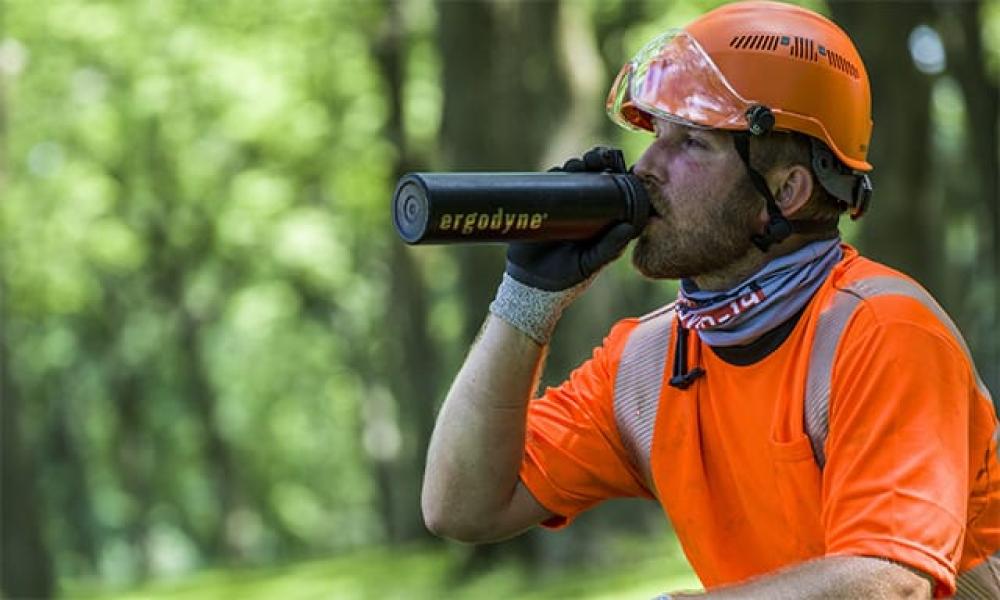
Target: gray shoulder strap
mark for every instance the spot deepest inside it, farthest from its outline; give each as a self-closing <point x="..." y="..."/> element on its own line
<point x="638" y="385"/>
<point x="829" y="330"/>
<point x="981" y="582"/>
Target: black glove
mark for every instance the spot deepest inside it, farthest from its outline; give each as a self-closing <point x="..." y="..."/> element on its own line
<point x="557" y="266"/>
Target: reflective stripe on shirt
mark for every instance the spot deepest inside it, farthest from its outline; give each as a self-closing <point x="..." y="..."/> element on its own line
<point x="638" y="385"/>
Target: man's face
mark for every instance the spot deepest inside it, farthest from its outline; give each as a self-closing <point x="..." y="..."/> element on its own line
<point x="707" y="208"/>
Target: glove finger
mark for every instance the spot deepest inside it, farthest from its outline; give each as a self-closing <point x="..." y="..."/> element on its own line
<point x="617" y="238"/>
<point x="615" y="160"/>
<point x="608" y="248"/>
<point x="593" y="159"/>
<point x="574" y="165"/>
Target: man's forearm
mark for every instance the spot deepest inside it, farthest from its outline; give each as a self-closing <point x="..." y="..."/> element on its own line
<point x="832" y="578"/>
<point x="478" y="441"/>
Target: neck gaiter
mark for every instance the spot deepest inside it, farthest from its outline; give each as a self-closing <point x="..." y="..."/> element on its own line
<point x="761" y="302"/>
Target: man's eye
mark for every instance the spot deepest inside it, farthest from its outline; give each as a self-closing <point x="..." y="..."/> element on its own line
<point x="691" y="141"/>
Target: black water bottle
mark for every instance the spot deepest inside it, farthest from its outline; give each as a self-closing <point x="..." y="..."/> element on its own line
<point x="442" y="208"/>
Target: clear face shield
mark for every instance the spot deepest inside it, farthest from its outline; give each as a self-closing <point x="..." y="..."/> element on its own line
<point x="673" y="78"/>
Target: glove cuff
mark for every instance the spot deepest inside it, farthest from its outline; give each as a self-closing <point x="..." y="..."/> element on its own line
<point x="533" y="311"/>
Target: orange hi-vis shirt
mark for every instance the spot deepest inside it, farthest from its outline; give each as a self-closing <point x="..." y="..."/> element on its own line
<point x="911" y="469"/>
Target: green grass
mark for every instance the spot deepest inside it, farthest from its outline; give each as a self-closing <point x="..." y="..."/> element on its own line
<point x="634" y="569"/>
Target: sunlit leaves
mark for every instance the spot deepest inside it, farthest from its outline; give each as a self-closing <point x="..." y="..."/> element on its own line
<point x="308" y="241"/>
<point x="991" y="35"/>
<point x="193" y="185"/>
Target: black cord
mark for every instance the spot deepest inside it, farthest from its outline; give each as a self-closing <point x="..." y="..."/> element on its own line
<point x="778" y="227"/>
<point x="681" y="378"/>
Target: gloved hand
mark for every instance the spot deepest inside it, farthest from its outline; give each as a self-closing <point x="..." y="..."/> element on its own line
<point x="558" y="266"/>
<point x="543" y="278"/>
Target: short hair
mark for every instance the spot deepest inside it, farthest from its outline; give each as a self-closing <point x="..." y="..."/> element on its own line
<point x="784" y="148"/>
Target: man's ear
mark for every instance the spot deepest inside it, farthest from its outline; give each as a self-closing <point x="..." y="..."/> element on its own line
<point x="795" y="187"/>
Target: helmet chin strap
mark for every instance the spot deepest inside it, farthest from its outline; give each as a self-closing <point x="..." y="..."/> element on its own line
<point x="778" y="228"/>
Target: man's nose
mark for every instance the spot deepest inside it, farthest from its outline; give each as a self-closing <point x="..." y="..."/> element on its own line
<point x="647" y="167"/>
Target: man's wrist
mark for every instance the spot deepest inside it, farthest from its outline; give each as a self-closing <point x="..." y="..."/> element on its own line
<point x="532" y="311"/>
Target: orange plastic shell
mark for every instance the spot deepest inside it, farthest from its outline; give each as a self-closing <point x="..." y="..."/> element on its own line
<point x="796" y="62"/>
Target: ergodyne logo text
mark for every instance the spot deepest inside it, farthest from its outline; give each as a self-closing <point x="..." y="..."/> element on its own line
<point x="500" y="221"/>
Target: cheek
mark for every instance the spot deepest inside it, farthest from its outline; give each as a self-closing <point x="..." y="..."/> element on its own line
<point x="691" y="180"/>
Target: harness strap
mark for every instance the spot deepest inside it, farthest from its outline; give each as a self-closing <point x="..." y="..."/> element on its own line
<point x="638" y="385"/>
<point x="829" y="329"/>
<point x="981" y="582"/>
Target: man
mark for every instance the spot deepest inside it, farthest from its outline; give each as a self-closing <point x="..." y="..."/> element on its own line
<point x="810" y="420"/>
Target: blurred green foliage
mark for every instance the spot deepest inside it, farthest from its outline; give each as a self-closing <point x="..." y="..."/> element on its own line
<point x="422" y="572"/>
<point x="195" y="206"/>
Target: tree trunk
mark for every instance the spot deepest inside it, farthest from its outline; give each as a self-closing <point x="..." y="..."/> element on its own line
<point x="26" y="566"/>
<point x="412" y="365"/>
<point x="168" y="287"/>
<point x="71" y="498"/>
<point x="900" y="146"/>
<point x="135" y="465"/>
<point x="26" y="569"/>
<point x="979" y="179"/>
<point x="504" y="95"/>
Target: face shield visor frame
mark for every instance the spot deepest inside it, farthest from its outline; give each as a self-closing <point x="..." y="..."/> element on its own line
<point x="673" y="78"/>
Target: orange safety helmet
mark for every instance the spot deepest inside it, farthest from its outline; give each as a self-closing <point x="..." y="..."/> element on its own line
<point x="791" y="60"/>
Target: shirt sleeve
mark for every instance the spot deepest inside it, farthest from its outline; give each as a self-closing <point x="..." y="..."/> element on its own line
<point x="896" y="482"/>
<point x="573" y="455"/>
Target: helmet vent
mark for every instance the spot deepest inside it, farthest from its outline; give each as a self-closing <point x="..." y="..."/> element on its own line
<point x="805" y="49"/>
<point x="842" y="64"/>
<point x="755" y="42"/>
<point x="799" y="47"/>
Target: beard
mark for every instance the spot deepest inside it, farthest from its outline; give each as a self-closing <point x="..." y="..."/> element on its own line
<point x="711" y="235"/>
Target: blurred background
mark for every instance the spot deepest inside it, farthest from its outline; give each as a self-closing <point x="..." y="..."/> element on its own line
<point x="219" y="366"/>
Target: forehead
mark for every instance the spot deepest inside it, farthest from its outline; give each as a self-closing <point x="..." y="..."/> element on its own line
<point x="664" y="127"/>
